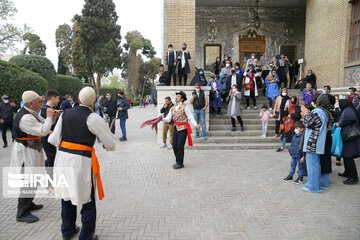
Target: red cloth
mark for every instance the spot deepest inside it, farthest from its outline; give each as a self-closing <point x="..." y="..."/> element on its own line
<point x="189" y="131"/>
<point x="289" y="122"/>
<point x="152" y="122"/>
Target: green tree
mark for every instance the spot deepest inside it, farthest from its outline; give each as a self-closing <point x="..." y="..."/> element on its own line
<point x="33" y="45"/>
<point x="99" y="39"/>
<point x="64" y="36"/>
<point x="61" y="69"/>
<point x="147" y="74"/>
<point x="10" y="34"/>
<point x="78" y="58"/>
<point x="135" y="42"/>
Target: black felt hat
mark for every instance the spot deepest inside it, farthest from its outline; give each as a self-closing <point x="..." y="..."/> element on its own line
<point x="183" y="95"/>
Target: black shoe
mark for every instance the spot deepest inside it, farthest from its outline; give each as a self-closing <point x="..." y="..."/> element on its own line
<point x="342" y="174"/>
<point x="37" y="207"/>
<point x="5" y="145"/>
<point x="77" y="229"/>
<point x="280" y="150"/>
<point x="351" y="181"/>
<point x="288" y="178"/>
<point x="122" y="139"/>
<point x="28" y="218"/>
<point x="233" y="129"/>
<point x="178" y="166"/>
<point x="95" y="237"/>
<point x="299" y="180"/>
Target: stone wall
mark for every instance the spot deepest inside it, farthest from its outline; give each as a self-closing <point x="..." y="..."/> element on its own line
<point x="280" y="26"/>
<point x="179" y="27"/>
<point x="164" y="91"/>
<point x="327" y="40"/>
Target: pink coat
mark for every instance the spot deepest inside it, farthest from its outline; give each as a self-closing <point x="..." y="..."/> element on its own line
<point x="265" y="116"/>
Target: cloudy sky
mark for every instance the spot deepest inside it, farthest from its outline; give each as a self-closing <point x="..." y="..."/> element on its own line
<point x="44" y="16"/>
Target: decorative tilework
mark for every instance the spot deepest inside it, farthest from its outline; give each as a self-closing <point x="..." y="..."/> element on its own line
<point x="352" y="76"/>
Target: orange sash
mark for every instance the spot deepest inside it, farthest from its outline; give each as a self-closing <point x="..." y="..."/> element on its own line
<point x="28" y="138"/>
<point x="94" y="162"/>
<point x="189" y="131"/>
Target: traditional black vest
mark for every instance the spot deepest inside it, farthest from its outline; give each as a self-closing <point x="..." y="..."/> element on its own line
<point x="16" y="132"/>
<point x="199" y="102"/>
<point x="75" y="129"/>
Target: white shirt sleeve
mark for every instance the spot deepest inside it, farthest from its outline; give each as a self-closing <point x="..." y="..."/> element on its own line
<point x="190" y="116"/>
<point x="55" y="137"/>
<point x="168" y="117"/>
<point x="98" y="127"/>
<point x="30" y="125"/>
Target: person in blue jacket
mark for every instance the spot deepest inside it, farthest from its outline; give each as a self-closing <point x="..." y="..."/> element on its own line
<point x="122" y="108"/>
<point x="272" y="87"/>
<point x="296" y="154"/>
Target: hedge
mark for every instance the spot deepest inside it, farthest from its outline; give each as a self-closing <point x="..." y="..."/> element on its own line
<point x="14" y="80"/>
<point x="69" y="85"/>
<point x="40" y="65"/>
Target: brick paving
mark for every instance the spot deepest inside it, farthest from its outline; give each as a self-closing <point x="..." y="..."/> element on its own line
<point x="218" y="195"/>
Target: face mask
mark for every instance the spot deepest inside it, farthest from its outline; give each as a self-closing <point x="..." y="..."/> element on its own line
<point x="324" y="91"/>
<point x="284" y="94"/>
<point x="234" y="89"/>
<point x="108" y="97"/>
<point x="313" y="104"/>
<point x="264" y="109"/>
<point x="227" y="65"/>
<point x="197" y="90"/>
<point x="184" y="48"/>
<point x="201" y="73"/>
<point x="348" y="93"/>
<point x="218" y="60"/>
<point x="296" y="131"/>
<point x="170" y="49"/>
<point x="233" y="71"/>
<point x="293" y="103"/>
<point x="6" y="101"/>
<point x="252" y="57"/>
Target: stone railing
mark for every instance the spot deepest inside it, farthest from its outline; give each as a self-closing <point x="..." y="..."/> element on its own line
<point x="169" y="91"/>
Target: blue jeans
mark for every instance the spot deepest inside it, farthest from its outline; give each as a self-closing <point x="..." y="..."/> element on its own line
<point x="113" y="128"/>
<point x="283" y="142"/>
<point x="199" y="116"/>
<point x="313" y="171"/>
<point x="123" y="128"/>
<point x="325" y="180"/>
<point x="296" y="161"/>
<point x="270" y="102"/>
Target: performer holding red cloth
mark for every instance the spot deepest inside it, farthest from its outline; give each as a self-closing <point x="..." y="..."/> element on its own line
<point x="181" y="115"/>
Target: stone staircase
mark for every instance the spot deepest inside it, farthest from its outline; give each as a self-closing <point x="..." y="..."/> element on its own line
<point x="220" y="136"/>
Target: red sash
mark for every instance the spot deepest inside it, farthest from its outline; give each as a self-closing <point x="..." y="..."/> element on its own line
<point x="189" y="131"/>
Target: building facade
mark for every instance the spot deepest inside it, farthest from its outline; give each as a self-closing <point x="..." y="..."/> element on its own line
<point x="323" y="32"/>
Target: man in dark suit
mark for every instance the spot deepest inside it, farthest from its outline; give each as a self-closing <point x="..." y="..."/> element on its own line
<point x="234" y="79"/>
<point x="170" y="61"/>
<point x="66" y="103"/>
<point x="111" y="109"/>
<point x="310" y="78"/>
<point x="164" y="76"/>
<point x="182" y="64"/>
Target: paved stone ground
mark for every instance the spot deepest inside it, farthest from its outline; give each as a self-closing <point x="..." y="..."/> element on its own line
<point x="218" y="195"/>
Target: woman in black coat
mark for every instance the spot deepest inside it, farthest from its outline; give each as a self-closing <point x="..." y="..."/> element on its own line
<point x="351" y="149"/>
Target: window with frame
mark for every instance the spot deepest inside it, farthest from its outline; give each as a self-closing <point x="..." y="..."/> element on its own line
<point x="354" y="46"/>
<point x="211" y="53"/>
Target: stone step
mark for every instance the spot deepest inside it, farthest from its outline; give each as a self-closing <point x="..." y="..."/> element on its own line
<point x="227" y="147"/>
<point x="227" y="120"/>
<point x="271" y="127"/>
<point x="236" y="139"/>
<point x="228" y="133"/>
<point x="244" y="115"/>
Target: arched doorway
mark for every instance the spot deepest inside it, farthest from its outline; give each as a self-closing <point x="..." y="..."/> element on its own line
<point x="249" y="44"/>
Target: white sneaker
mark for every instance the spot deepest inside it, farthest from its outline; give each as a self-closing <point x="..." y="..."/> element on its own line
<point x="164" y="145"/>
<point x="270" y="109"/>
<point x="170" y="146"/>
<point x="263" y="136"/>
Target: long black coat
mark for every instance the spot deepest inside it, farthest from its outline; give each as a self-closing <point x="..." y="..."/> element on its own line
<point x="178" y="63"/>
<point x="325" y="159"/>
<point x="348" y="118"/>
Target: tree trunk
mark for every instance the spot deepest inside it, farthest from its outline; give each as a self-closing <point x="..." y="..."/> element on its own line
<point x="91" y="80"/>
<point x="98" y="84"/>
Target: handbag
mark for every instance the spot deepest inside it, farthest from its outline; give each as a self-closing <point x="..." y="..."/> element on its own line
<point x="277" y="114"/>
<point x="351" y="133"/>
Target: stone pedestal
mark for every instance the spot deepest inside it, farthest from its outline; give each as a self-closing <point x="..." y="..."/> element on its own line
<point x="169" y="91"/>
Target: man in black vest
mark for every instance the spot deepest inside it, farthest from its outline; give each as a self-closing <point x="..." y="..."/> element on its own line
<point x="170" y="61"/>
<point x="27" y="152"/>
<point x="200" y="102"/>
<point x="111" y="109"/>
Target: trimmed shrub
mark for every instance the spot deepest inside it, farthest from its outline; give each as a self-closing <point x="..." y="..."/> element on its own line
<point x="14" y="80"/>
<point x="40" y="65"/>
<point x="88" y="85"/>
<point x="113" y="91"/>
<point x="69" y="85"/>
<point x="136" y="103"/>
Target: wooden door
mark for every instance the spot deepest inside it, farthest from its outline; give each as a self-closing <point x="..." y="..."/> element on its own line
<point x="249" y="45"/>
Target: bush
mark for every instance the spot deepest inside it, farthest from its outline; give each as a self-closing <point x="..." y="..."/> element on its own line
<point x="69" y="85"/>
<point x="113" y="91"/>
<point x="88" y="85"/>
<point x="14" y="80"/>
<point x="136" y="103"/>
<point x="40" y="65"/>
